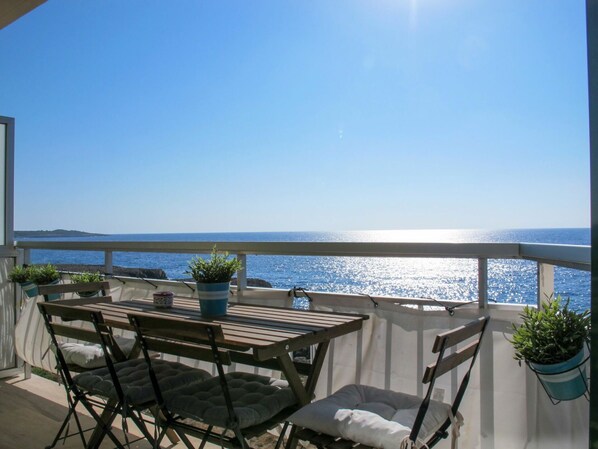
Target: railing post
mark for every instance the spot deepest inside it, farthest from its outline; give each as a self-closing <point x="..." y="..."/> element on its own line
<point x="108" y="262"/>
<point x="242" y="275"/>
<point x="482" y="283"/>
<point x="20" y="259"/>
<point x="26" y="256"/>
<point x="545" y="282"/>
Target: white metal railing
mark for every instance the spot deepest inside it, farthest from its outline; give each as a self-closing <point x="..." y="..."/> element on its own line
<point x="546" y="255"/>
<point x="392" y="349"/>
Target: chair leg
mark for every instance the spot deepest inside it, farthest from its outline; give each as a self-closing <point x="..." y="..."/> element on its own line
<point x="64" y="425"/>
<point x="281" y="437"/>
<point x="72" y="401"/>
<point x="186" y="441"/>
<point x="140" y="423"/>
<point x="242" y="441"/>
<point x="103" y="424"/>
<point x="79" y="426"/>
<point x="292" y="441"/>
<point x="204" y="440"/>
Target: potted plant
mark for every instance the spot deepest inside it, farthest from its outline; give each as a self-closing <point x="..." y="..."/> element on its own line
<point x="44" y="275"/>
<point x="22" y="276"/>
<point x="551" y="340"/>
<point x="213" y="277"/>
<point x="86" y="277"/>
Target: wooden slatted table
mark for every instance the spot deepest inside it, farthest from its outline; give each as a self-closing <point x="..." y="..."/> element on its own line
<point x="261" y="336"/>
<point x="257" y="335"/>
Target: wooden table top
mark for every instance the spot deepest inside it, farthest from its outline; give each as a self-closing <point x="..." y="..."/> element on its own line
<point x="266" y="331"/>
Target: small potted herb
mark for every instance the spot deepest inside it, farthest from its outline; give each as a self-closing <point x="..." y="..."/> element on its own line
<point x="213" y="277"/>
<point x="86" y="277"/>
<point x="22" y="276"/>
<point x="551" y="340"/>
<point x="44" y="274"/>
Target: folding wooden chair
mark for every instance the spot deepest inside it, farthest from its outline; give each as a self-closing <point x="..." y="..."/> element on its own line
<point x="82" y="357"/>
<point x="366" y="417"/>
<point x="74" y="393"/>
<point x="245" y="404"/>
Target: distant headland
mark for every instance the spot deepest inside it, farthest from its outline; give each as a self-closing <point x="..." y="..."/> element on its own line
<point x="54" y="233"/>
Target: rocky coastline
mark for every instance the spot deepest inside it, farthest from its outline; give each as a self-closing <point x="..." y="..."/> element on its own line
<point x="146" y="273"/>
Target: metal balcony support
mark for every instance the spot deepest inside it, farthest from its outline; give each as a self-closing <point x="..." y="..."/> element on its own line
<point x="108" y="262"/>
<point x="545" y="282"/>
<point x="242" y="275"/>
<point x="483" y="283"/>
<point x="27" y="256"/>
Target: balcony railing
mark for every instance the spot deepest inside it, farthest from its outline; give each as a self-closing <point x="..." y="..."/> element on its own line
<point x="504" y="407"/>
<point x="547" y="256"/>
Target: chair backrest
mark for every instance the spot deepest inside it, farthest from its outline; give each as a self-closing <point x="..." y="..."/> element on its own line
<point x="445" y="363"/>
<point x="60" y="289"/>
<point x="184" y="338"/>
<point x="66" y="310"/>
<point x="67" y="313"/>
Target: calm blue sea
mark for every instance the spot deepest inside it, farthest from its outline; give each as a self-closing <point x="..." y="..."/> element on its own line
<point x="512" y="281"/>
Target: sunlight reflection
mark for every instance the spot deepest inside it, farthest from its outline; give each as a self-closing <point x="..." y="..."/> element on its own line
<point x="413" y="235"/>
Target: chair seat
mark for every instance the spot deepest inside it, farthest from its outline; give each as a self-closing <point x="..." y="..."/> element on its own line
<point x="135" y="380"/>
<point x="370" y="416"/>
<point x="91" y="355"/>
<point x="256" y="399"/>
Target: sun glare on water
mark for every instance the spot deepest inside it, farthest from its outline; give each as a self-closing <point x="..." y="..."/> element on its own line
<point x="415" y="235"/>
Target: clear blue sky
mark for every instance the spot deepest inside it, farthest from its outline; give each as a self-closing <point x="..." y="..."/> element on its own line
<point x="190" y="116"/>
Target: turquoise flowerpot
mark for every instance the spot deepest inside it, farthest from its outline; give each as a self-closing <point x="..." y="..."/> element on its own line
<point x="29" y="288"/>
<point x="563" y="381"/>
<point x="54" y="296"/>
<point x="213" y="298"/>
<point x="88" y="294"/>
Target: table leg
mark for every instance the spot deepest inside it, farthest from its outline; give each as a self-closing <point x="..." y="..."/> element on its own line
<point x="316" y="368"/>
<point x="159" y="416"/>
<point x="107" y="418"/>
<point x="292" y="377"/>
<point x="304" y="393"/>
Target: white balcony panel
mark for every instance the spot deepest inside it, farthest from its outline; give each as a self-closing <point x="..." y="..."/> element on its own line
<point x="505" y="407"/>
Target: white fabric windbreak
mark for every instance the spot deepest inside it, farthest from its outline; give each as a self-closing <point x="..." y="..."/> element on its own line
<point x="504" y="406"/>
<point x="32" y="341"/>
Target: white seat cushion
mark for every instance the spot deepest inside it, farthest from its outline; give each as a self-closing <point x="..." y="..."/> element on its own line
<point x="370" y="416"/>
<point x="91" y="355"/>
<point x="135" y="381"/>
<point x="256" y="399"/>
